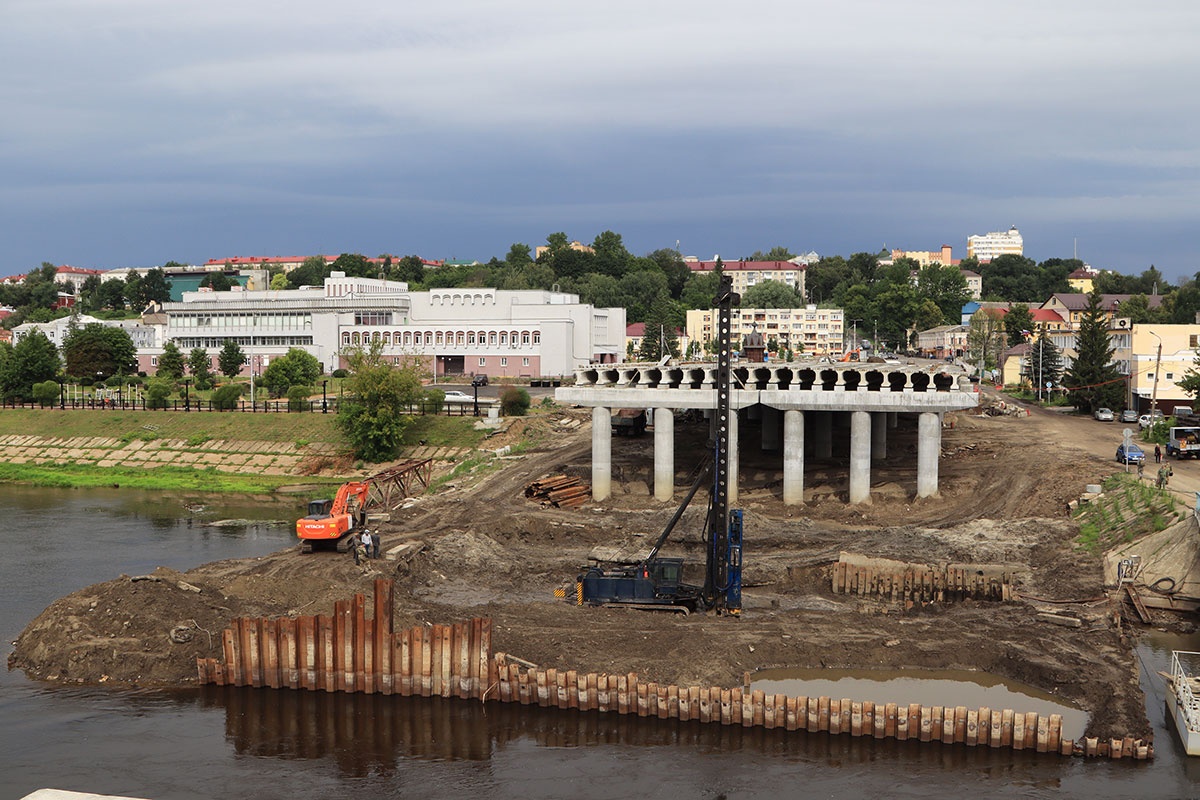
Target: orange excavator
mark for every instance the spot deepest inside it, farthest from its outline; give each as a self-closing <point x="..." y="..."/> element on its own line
<point x="330" y="523"/>
<point x="851" y="355"/>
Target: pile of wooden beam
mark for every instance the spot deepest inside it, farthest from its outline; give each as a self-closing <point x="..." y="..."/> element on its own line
<point x="560" y="491"/>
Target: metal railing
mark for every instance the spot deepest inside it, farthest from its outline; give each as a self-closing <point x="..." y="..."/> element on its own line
<point x="1185" y="667"/>
<point x="280" y="406"/>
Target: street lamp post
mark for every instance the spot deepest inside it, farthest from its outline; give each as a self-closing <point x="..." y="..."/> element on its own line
<point x="62" y="395"/>
<point x="1157" y="369"/>
<point x="187" y="406"/>
<point x="324" y="405"/>
<point x="475" y="386"/>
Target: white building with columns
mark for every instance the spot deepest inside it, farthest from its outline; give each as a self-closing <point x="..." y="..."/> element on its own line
<point x="464" y="332"/>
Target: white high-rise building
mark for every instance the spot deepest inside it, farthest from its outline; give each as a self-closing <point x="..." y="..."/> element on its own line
<point x="987" y="246"/>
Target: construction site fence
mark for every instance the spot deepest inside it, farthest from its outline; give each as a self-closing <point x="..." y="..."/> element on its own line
<point x="349" y="652"/>
<point x="281" y="406"/>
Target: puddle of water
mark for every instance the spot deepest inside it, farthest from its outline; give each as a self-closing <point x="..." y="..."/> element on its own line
<point x="947" y="688"/>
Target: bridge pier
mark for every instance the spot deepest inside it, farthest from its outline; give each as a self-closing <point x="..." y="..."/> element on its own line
<point x="860" y="457"/>
<point x="929" y="447"/>
<point x="664" y="454"/>
<point x="601" y="453"/>
<point x="878" y="436"/>
<point x="793" y="457"/>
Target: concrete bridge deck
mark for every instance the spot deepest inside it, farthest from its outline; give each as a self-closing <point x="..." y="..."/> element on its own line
<point x="796" y="398"/>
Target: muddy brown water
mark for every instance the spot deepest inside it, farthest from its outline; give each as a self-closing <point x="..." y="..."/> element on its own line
<point x="289" y="744"/>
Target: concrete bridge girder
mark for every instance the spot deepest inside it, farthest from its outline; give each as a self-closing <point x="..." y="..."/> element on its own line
<point x="870" y="396"/>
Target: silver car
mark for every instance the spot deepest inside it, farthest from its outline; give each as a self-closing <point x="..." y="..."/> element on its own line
<point x="1104" y="415"/>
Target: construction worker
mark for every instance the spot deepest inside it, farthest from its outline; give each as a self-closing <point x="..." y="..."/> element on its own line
<point x="1161" y="482"/>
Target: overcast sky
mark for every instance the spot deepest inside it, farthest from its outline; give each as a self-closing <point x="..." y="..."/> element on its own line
<point x="140" y="131"/>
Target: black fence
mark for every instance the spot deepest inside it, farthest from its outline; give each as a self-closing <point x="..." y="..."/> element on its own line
<point x="283" y="406"/>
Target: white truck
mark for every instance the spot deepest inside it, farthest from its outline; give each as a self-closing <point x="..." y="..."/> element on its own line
<point x="1184" y="442"/>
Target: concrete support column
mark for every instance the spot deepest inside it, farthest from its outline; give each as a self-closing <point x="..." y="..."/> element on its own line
<point x="664" y="453"/>
<point x="793" y="457"/>
<point x="822" y="434"/>
<point x="929" y="447"/>
<point x="601" y="453"/>
<point x="860" y="457"/>
<point x="893" y="418"/>
<point x="879" y="436"/>
<point x="733" y="456"/>
<point x="770" y="428"/>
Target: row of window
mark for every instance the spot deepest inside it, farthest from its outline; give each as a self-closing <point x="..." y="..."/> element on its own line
<point x="282" y="319"/>
<point x="444" y="338"/>
<point x="213" y="342"/>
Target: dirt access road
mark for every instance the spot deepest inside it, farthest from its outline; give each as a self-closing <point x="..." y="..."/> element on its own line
<point x="487" y="551"/>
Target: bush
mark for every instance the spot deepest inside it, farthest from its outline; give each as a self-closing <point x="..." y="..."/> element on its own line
<point x="46" y="393"/>
<point x="298" y="398"/>
<point x="157" y="392"/>
<point x="341" y="373"/>
<point x="227" y="397"/>
<point x="514" y="402"/>
<point x="433" y="400"/>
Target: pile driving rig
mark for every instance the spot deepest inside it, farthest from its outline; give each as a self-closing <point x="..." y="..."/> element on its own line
<point x="655" y="583"/>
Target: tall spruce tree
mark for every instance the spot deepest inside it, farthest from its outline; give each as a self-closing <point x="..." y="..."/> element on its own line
<point x="1093" y="378"/>
<point x="1045" y="363"/>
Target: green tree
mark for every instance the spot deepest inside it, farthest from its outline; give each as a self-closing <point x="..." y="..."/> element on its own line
<point x="945" y="286"/>
<point x="171" y="364"/>
<point x="611" y="257"/>
<point x="32" y="360"/>
<point x="985" y="339"/>
<point x="1092" y="376"/>
<point x="410" y="269"/>
<point x="1045" y="363"/>
<point x="297" y="368"/>
<point x="200" y="366"/>
<point x="373" y="413"/>
<point x="519" y="255"/>
<point x="217" y="280"/>
<point x="660" y="337"/>
<point x="774" y="254"/>
<point x="111" y="294"/>
<point x="312" y="272"/>
<point x="674" y="267"/>
<point x="135" y="293"/>
<point x="231" y="359"/>
<point x="298" y="398"/>
<point x="772" y="294"/>
<point x="156" y="288"/>
<point x="99" y="350"/>
<point x="279" y="281"/>
<point x="823" y="278"/>
<point x="1018" y="323"/>
<point x="700" y="290"/>
<point x="355" y="265"/>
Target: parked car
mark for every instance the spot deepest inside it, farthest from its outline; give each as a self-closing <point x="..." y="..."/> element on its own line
<point x="455" y="396"/>
<point x="1145" y="420"/>
<point x="479" y="380"/>
<point x="1130" y="455"/>
<point x="1129" y="415"/>
<point x="1181" y="411"/>
<point x="1104" y="415"/>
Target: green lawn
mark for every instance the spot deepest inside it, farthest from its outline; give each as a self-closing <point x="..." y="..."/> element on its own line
<point x="170" y="424"/>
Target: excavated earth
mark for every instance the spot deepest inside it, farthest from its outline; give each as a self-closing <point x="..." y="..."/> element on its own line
<point x="486" y="550"/>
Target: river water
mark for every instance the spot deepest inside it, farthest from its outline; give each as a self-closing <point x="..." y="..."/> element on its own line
<point x="236" y="743"/>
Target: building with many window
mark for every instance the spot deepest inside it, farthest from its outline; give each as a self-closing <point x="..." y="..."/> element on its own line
<point x="810" y="331"/>
<point x="748" y="274"/>
<point x="490" y="332"/>
<point x="986" y="246"/>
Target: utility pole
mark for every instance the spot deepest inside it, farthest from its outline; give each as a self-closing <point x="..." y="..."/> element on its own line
<point x="1157" y="367"/>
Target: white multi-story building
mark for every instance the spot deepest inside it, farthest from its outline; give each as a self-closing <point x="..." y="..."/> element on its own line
<point x="746" y="274"/>
<point x="809" y="330"/>
<point x="144" y="336"/>
<point x="453" y="331"/>
<point x="986" y="246"/>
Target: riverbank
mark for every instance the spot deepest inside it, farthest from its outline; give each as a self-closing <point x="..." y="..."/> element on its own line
<point x="208" y="451"/>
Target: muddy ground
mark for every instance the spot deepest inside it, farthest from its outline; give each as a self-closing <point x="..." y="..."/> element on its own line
<point x="488" y="551"/>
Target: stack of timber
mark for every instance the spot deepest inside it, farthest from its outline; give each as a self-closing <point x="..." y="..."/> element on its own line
<point x="347" y="652"/>
<point x="560" y="491"/>
<point x="920" y="583"/>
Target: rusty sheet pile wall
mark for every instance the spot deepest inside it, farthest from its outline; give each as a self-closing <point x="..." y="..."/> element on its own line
<point x="920" y="585"/>
<point x="347" y="652"/>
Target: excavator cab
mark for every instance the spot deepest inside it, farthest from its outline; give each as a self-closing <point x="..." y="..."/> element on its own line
<point x="319" y="508"/>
